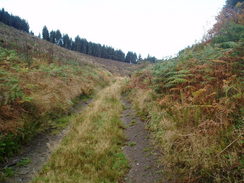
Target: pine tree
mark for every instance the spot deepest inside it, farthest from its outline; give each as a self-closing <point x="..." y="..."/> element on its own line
<point x="83" y="45"/>
<point x="58" y="38"/>
<point x="232" y="3"/>
<point x="14" y="21"/>
<point x="139" y="57"/>
<point x="90" y="48"/>
<point x="151" y="58"/>
<point x="45" y="34"/>
<point x="77" y="44"/>
<point x="67" y="41"/>
<point x="52" y="37"/>
<point x="131" y="57"/>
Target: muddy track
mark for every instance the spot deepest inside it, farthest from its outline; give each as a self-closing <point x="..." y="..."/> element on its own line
<point x="38" y="152"/>
<point x="139" y="151"/>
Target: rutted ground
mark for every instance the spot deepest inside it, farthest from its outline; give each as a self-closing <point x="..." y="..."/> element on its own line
<point x="139" y="151"/>
<point x="28" y="64"/>
<point x="26" y="165"/>
<point x="38" y="83"/>
<point x="94" y="148"/>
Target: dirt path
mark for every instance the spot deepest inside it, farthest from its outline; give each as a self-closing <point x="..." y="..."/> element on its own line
<point x="143" y="159"/>
<point x="37" y="153"/>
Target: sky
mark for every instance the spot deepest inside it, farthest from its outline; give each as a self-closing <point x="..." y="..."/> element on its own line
<point x="157" y="27"/>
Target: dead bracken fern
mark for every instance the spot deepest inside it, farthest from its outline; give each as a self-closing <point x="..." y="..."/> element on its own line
<point x="36" y="87"/>
<point x="194" y="105"/>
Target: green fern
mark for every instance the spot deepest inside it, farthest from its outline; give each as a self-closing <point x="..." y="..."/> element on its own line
<point x="175" y="82"/>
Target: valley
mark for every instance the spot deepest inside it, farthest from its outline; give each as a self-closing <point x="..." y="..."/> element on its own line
<point x="71" y="117"/>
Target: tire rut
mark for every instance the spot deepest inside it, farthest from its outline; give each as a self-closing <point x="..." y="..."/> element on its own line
<point x="38" y="152"/>
<point x="143" y="159"/>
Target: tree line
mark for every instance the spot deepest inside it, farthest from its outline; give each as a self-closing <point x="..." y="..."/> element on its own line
<point x="83" y="46"/>
<point x="78" y="44"/>
<point x="232" y="3"/>
<point x="14" y="21"/>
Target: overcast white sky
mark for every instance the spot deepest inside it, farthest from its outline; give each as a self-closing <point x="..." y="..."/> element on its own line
<point x="158" y="27"/>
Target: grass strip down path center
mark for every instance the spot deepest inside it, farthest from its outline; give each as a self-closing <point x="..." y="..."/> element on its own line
<point x="91" y="152"/>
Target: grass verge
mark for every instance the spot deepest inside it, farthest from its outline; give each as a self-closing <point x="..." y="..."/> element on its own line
<point x="189" y="156"/>
<point x="34" y="98"/>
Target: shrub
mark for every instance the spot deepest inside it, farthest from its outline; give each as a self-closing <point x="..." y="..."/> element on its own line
<point x="230" y="32"/>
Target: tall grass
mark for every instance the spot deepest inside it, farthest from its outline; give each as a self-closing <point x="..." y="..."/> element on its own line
<point x="193" y="105"/>
<point x="33" y="96"/>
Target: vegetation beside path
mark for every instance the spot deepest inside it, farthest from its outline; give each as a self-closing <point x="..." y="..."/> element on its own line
<point x="34" y="96"/>
<point x="194" y="105"/>
<point x="39" y="82"/>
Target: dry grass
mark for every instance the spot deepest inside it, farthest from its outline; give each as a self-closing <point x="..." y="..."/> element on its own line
<point x="187" y="155"/>
<point x="38" y="85"/>
<point x="55" y="92"/>
<point x="199" y="142"/>
<point x="19" y="40"/>
<point x="91" y="152"/>
<point x="49" y="88"/>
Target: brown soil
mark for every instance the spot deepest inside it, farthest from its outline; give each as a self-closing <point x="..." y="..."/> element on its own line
<point x="143" y="159"/>
<point x="38" y="152"/>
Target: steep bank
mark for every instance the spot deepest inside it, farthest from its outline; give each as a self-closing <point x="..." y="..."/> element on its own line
<point x="34" y="155"/>
<point x="194" y="107"/>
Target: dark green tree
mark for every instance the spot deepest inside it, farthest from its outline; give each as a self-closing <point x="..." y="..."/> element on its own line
<point x="131" y="57"/>
<point x="90" y="48"/>
<point x="232" y="3"/>
<point x="119" y="55"/>
<point x="58" y="38"/>
<point x="77" y="44"/>
<point x="67" y="41"/>
<point x="14" y="21"/>
<point x="151" y="58"/>
<point x="52" y="37"/>
<point x="45" y="34"/>
<point x="83" y="45"/>
<point x="139" y="57"/>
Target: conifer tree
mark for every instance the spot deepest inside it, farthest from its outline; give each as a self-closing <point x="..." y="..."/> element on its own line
<point x="13" y="21"/>
<point x="45" y="34"/>
<point x="58" y="38"/>
<point x="52" y="37"/>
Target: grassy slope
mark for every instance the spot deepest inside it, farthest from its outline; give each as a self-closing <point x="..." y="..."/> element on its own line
<point x="27" y="44"/>
<point x="38" y="82"/>
<point x="194" y="107"/>
<point x="91" y="152"/>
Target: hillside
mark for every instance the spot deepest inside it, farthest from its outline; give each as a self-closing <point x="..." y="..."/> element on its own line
<point x="194" y="104"/>
<point x="27" y="44"/>
<point x="179" y="120"/>
<point x="40" y="82"/>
